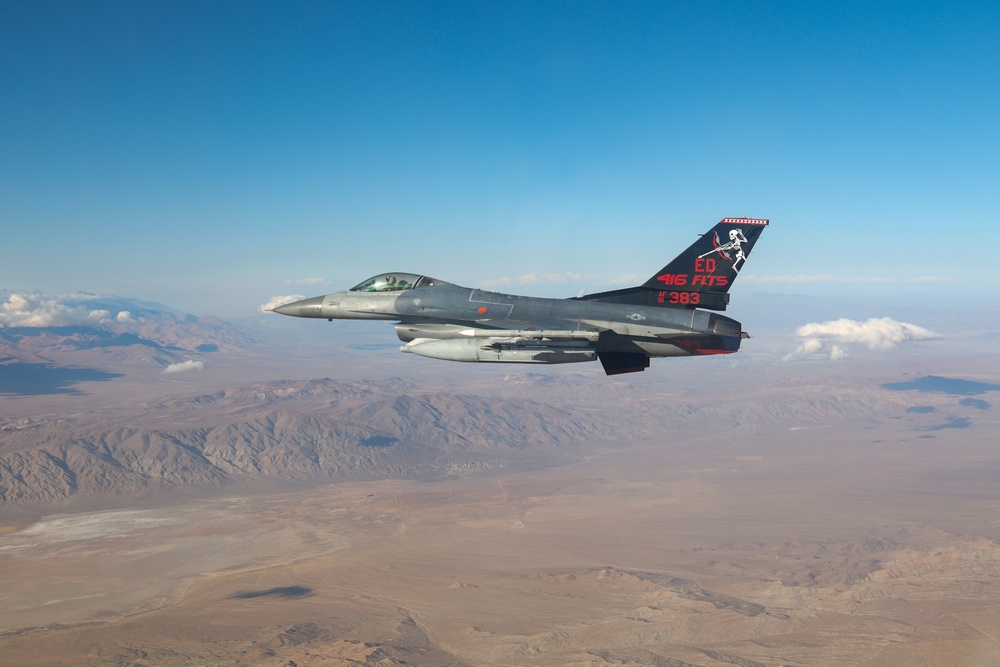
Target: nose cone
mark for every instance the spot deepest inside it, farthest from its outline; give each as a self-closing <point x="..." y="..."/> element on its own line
<point x="305" y="308"/>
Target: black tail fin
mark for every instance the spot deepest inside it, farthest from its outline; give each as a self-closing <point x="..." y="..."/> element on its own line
<point x="700" y="277"/>
<point x="711" y="263"/>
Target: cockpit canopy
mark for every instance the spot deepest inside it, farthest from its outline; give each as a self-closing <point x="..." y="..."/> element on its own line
<point x="394" y="282"/>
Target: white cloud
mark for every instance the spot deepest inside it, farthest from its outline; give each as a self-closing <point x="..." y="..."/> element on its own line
<point x="183" y="366"/>
<point x="279" y="301"/>
<point x="43" y="310"/>
<point x="124" y="316"/>
<point x="834" y="338"/>
<point x="877" y="333"/>
<point x="627" y="279"/>
<point x="802" y="278"/>
<point x="932" y="279"/>
<point x="307" y="281"/>
<point x="536" y="279"/>
<point x="810" y="346"/>
<point x="837" y="353"/>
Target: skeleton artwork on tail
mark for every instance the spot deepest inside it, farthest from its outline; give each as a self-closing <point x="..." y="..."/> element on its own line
<point x="736" y="241"/>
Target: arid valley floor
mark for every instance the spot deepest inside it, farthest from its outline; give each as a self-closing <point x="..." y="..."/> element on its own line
<point x="752" y="512"/>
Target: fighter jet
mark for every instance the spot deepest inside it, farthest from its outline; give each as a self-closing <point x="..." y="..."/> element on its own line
<point x="666" y="316"/>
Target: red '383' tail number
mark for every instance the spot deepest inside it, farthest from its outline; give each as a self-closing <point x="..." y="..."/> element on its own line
<point x="679" y="298"/>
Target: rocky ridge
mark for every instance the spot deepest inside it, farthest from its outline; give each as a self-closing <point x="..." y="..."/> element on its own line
<point x="327" y="430"/>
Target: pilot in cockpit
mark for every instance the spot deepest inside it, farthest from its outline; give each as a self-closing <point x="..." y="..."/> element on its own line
<point x="392" y="282"/>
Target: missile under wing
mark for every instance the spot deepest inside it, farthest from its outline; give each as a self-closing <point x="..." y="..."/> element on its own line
<point x="669" y="315"/>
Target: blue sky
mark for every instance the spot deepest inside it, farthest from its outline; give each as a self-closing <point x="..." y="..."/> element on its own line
<point x="213" y="155"/>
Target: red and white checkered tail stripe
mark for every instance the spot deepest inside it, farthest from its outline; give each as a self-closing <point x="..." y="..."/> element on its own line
<point x="744" y="221"/>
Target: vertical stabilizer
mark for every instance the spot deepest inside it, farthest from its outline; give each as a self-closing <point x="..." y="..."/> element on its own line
<point x="700" y="277"/>
<point x="711" y="264"/>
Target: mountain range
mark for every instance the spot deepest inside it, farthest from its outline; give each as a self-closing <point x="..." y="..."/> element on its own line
<point x="322" y="430"/>
<point x="83" y="329"/>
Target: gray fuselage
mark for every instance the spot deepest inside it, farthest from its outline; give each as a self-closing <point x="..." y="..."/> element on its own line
<point x="442" y="311"/>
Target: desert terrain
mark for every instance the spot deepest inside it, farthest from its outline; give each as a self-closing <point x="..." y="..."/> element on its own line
<point x="740" y="511"/>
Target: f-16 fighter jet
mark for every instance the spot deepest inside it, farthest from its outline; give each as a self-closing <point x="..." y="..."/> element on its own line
<point x="666" y="316"/>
